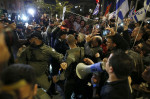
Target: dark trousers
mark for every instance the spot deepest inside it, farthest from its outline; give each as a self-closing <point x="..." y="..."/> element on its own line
<point x="78" y="87"/>
<point x="69" y="88"/>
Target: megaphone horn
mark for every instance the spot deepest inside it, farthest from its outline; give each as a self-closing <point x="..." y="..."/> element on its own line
<point x="83" y="70"/>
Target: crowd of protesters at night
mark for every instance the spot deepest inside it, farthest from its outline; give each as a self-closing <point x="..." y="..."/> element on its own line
<point x="38" y="58"/>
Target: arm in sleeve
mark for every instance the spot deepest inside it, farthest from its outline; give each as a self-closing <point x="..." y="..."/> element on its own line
<point x="88" y="50"/>
<point x="55" y="54"/>
<point x="70" y="59"/>
<point x="23" y="58"/>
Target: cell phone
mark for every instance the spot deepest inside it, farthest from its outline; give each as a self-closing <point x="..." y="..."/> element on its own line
<point x="97" y="26"/>
<point x="105" y="32"/>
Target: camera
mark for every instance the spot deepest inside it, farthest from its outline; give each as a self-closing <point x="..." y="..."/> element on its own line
<point x="105" y="32"/>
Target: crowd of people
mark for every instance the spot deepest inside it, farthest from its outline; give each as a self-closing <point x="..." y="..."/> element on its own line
<point x="28" y="53"/>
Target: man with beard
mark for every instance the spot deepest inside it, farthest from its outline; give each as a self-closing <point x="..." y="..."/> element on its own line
<point x="37" y="55"/>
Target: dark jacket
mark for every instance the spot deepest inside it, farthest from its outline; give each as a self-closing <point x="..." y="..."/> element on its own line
<point x="116" y="90"/>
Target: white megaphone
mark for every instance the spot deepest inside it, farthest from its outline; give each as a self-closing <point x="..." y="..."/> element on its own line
<point x="83" y="70"/>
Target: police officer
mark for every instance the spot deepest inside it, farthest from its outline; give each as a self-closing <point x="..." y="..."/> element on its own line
<point x="37" y="55"/>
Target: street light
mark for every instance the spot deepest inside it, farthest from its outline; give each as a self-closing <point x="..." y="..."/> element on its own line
<point x="24" y="18"/>
<point x="76" y="6"/>
<point x="60" y="4"/>
<point x="31" y="11"/>
<point x="26" y="24"/>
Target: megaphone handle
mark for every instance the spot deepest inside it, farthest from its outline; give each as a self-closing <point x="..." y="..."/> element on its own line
<point x="59" y="71"/>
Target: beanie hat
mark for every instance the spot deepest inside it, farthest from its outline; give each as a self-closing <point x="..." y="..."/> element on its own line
<point x="38" y="35"/>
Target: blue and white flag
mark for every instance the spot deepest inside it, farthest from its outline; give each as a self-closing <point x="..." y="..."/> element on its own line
<point x="112" y="15"/>
<point x="122" y="8"/>
<point x="131" y="13"/>
<point x="64" y="10"/>
<point x="96" y="9"/>
<point x="139" y="15"/>
<point x="146" y="3"/>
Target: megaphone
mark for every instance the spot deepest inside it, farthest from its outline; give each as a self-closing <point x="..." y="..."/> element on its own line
<point x="83" y="70"/>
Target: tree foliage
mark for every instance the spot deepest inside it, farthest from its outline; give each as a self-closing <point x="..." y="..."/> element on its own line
<point x="53" y="8"/>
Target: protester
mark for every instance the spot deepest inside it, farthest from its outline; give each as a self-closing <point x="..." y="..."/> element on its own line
<point x="27" y="45"/>
<point x="19" y="81"/>
<point x="119" y="66"/>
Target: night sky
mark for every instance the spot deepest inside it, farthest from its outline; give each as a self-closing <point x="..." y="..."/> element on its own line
<point x="140" y="4"/>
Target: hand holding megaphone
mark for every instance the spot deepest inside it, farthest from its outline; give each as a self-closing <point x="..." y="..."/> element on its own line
<point x="82" y="70"/>
<point x="88" y="61"/>
<point x="63" y="65"/>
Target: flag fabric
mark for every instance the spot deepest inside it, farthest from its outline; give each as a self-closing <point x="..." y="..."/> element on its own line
<point x="107" y="9"/>
<point x="131" y="13"/>
<point x="139" y="15"/>
<point x="112" y="15"/>
<point x="122" y="8"/>
<point x="146" y="3"/>
<point x="64" y="10"/>
<point x="96" y="9"/>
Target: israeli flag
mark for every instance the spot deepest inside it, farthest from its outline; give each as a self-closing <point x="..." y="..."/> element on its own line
<point x="64" y="10"/>
<point x="131" y="13"/>
<point x="112" y="15"/>
<point x="139" y="15"/>
<point x="146" y="3"/>
<point x="96" y="9"/>
<point x="122" y="8"/>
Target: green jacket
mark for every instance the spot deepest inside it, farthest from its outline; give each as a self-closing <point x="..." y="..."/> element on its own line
<point x="74" y="56"/>
<point x="39" y="57"/>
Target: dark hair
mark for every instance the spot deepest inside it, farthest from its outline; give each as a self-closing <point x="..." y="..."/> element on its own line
<point x="98" y="40"/>
<point x="84" y="22"/>
<point x="145" y="48"/>
<point x="140" y="22"/>
<point x="119" y="41"/>
<point x="61" y="32"/>
<point x="18" y="72"/>
<point x="121" y="63"/>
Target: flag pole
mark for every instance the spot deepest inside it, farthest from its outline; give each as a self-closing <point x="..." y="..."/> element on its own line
<point x="131" y="5"/>
<point x="141" y="25"/>
<point x="136" y="4"/>
<point x="116" y="20"/>
<point x="116" y="23"/>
